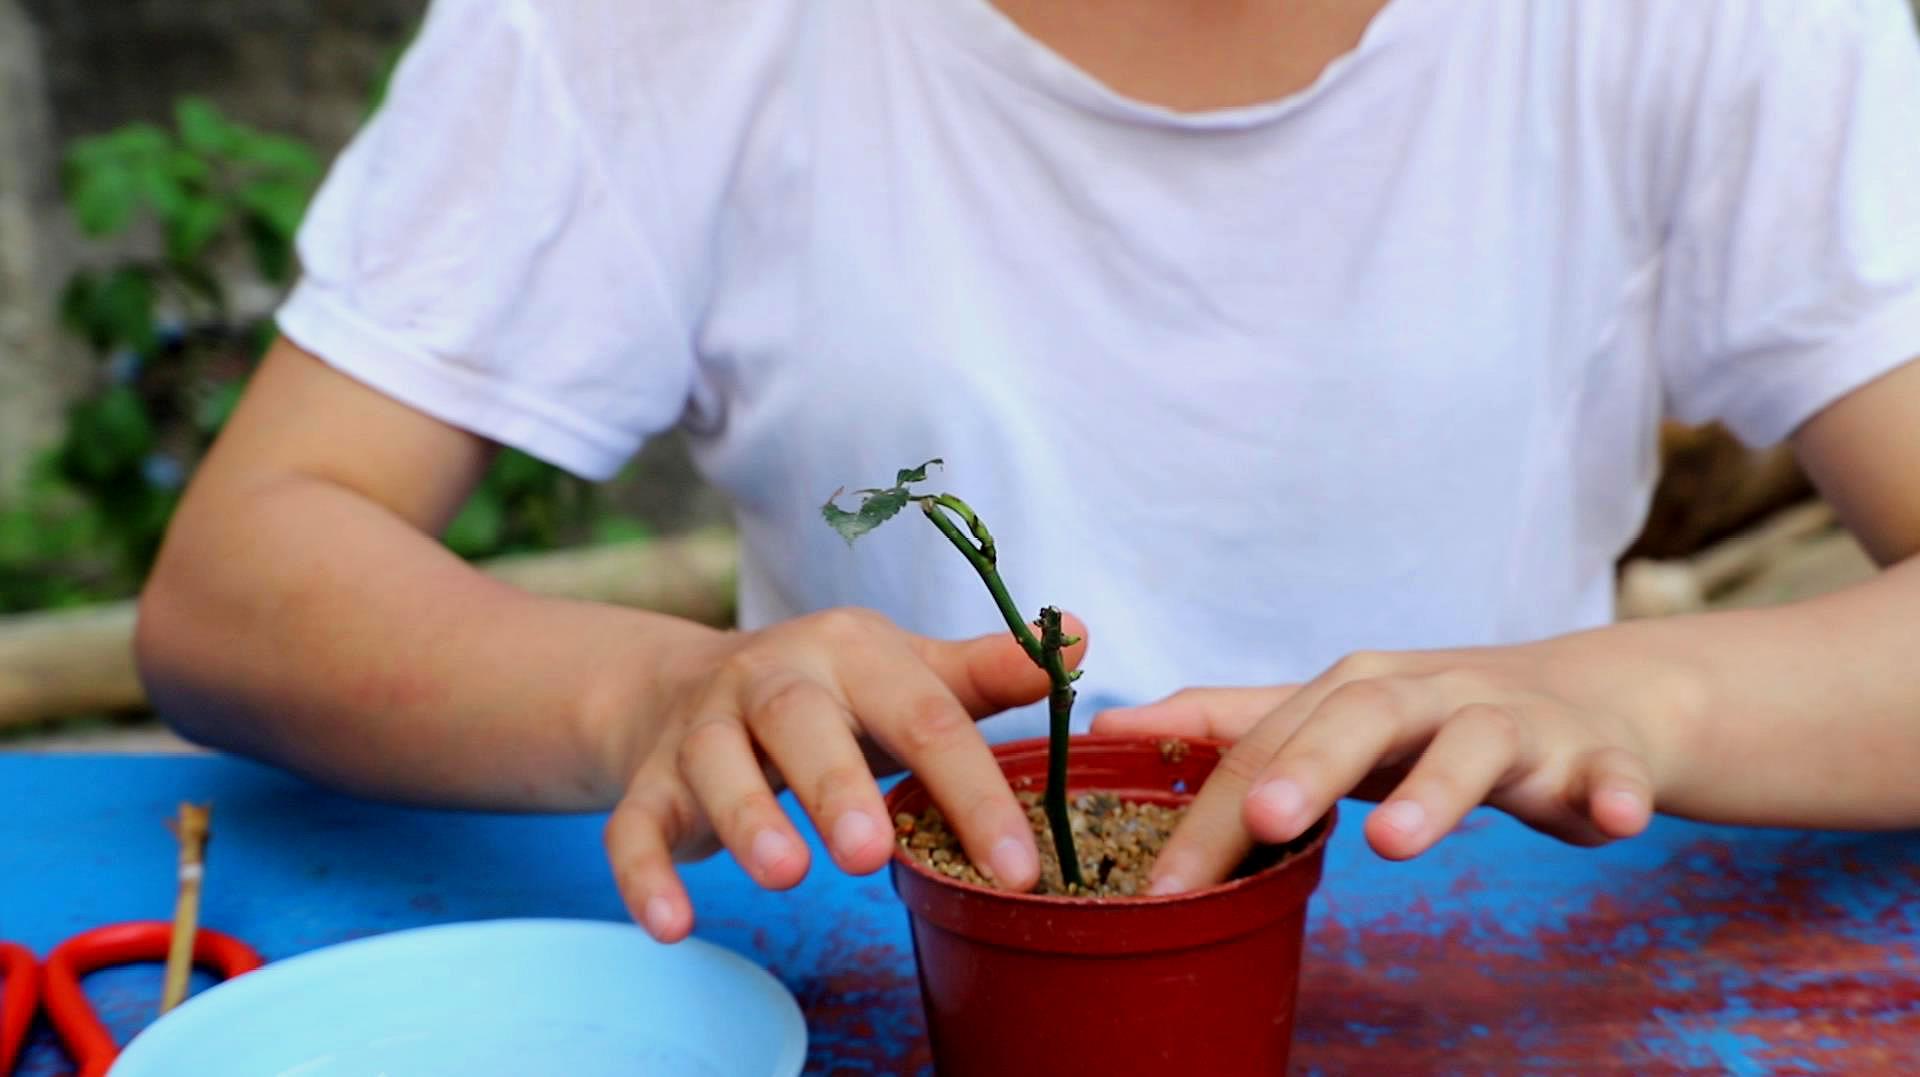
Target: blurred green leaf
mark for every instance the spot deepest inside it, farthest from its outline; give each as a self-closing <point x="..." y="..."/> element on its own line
<point x="45" y="483"/>
<point x="20" y="535"/>
<point x="140" y="543"/>
<point x="217" y="408"/>
<point x="189" y="168"/>
<point x="138" y="140"/>
<point x="103" y="199"/>
<point x="272" y="251"/>
<point x="162" y="189"/>
<point x="202" y="127"/>
<point x="516" y="471"/>
<point x="77" y="302"/>
<point x="290" y="160"/>
<point x="278" y="203"/>
<point x="123" y="308"/>
<point x="620" y="529"/>
<point x="479" y="527"/>
<point x="107" y="436"/>
<point x="194" y="227"/>
<point x="112" y="310"/>
<point x="88" y="153"/>
<point x="261" y="335"/>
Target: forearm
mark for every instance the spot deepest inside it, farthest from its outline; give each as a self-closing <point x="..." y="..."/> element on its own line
<point x="306" y="626"/>
<point x="1799" y="715"/>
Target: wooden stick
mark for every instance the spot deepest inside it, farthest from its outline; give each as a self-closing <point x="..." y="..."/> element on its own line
<point x="191" y="828"/>
<point x="53" y="665"/>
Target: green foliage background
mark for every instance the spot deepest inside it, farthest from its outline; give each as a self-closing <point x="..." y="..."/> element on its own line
<point x="218" y="203"/>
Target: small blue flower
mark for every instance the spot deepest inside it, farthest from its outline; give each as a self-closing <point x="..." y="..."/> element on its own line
<point x="163" y="472"/>
<point x="123" y="367"/>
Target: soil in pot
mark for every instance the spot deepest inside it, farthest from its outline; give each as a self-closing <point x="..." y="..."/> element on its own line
<point x="1117" y="840"/>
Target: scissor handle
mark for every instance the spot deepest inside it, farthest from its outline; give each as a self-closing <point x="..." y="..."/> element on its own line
<point x="86" y="1039"/>
<point x="19" y="998"/>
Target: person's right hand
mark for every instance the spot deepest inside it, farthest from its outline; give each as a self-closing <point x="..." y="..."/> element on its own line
<point x="820" y="704"/>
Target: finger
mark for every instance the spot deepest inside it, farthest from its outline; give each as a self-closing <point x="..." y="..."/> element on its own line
<point x="992" y="673"/>
<point x="1283" y="777"/>
<point x="1224" y="822"/>
<point x="1216" y="713"/>
<point x="717" y="763"/>
<point x="917" y="720"/>
<point x="809" y="737"/>
<point x="1615" y="792"/>
<point x="1478" y="749"/>
<point x="640" y="836"/>
<point x="1357" y="728"/>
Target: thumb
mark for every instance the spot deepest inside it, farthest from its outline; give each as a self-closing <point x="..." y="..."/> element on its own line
<point x="1216" y="713"/>
<point x="992" y="673"/>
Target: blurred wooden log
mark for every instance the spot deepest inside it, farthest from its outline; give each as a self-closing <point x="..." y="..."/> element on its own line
<point x="1658" y="588"/>
<point x="1712" y="487"/>
<point x="690" y="576"/>
<point x="69" y="662"/>
<point x="1818" y="565"/>
<point x="54" y="665"/>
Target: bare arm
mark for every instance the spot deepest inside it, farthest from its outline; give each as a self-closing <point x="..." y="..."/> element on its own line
<point x="302" y="613"/>
<point x="1811" y="712"/>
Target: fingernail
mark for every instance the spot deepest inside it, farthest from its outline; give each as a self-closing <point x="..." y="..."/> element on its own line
<point x="659" y="916"/>
<point x="853" y="831"/>
<point x="1167" y="885"/>
<point x="1403" y="817"/>
<point x="1169" y="875"/>
<point x="1621" y="800"/>
<point x="768" y="850"/>
<point x="1013" y="860"/>
<point x="1280" y="799"/>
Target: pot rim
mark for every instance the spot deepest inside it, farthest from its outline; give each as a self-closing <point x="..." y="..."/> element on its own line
<point x="1303" y="858"/>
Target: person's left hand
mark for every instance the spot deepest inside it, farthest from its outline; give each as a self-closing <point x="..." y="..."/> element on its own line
<point x="1566" y="735"/>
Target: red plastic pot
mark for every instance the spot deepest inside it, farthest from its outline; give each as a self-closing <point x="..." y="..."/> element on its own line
<point x="1200" y="983"/>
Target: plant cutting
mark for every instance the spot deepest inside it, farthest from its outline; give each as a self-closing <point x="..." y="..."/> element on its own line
<point x="1088" y="974"/>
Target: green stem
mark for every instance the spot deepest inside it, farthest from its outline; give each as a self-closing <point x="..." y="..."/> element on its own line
<point x="1060" y="725"/>
<point x="1045" y="651"/>
<point x="981" y="557"/>
<point x="974" y="524"/>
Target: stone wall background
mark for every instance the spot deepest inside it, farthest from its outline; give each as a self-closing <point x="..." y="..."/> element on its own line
<point x="32" y="259"/>
<point x="301" y="66"/>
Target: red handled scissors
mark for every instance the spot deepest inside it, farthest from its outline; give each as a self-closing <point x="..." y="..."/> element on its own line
<point x="26" y="985"/>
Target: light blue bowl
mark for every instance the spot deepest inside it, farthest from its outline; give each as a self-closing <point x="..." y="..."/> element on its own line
<point x="519" y="997"/>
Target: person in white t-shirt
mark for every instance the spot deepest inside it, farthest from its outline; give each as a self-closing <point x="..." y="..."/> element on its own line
<point x="1292" y="342"/>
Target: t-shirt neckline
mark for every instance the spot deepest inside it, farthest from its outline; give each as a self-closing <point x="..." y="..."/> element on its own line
<point x="991" y="34"/>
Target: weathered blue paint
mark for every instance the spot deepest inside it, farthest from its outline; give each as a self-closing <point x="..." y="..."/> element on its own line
<point x="1693" y="949"/>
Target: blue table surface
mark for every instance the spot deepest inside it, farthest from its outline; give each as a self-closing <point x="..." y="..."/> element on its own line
<point x="1691" y="949"/>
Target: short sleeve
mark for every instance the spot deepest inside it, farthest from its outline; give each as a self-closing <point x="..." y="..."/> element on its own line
<point x="1792" y="273"/>
<point x="467" y="256"/>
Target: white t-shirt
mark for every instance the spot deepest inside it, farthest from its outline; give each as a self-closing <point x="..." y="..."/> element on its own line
<point x="1379" y="365"/>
